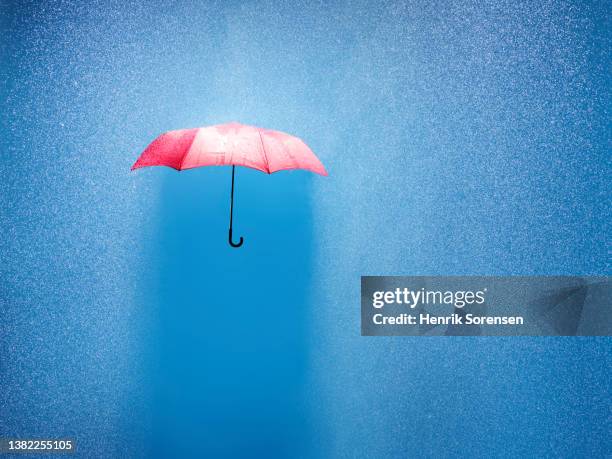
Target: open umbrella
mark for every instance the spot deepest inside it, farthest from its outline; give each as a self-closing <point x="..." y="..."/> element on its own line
<point x="232" y="144"/>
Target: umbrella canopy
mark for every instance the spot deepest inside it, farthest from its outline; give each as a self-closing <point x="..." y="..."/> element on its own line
<point x="231" y="144"/>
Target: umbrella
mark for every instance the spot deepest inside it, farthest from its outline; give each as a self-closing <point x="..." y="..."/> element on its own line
<point x="231" y="144"/>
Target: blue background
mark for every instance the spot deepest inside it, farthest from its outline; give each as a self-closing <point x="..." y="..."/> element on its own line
<point x="460" y="137"/>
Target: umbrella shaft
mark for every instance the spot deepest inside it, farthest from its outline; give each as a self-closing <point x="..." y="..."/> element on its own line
<point x="231" y="242"/>
<point x="232" y="198"/>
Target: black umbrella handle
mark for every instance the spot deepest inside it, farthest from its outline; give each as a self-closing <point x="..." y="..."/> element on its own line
<point x="231" y="242"/>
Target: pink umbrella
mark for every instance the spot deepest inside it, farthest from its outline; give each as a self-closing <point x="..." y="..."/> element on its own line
<point x="230" y="144"/>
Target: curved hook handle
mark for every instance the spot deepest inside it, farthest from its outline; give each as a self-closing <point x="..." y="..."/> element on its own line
<point x="232" y="243"/>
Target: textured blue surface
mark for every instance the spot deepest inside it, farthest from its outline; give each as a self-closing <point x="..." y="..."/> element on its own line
<point x="460" y="138"/>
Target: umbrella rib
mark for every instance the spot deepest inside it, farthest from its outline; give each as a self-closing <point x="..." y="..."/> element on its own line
<point x="264" y="152"/>
<point x="187" y="151"/>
